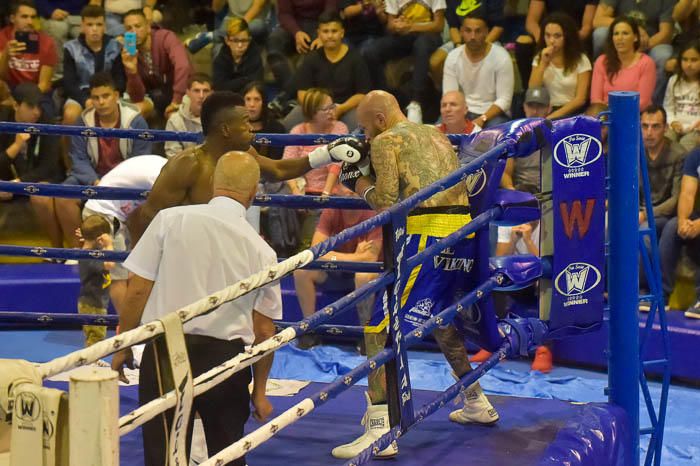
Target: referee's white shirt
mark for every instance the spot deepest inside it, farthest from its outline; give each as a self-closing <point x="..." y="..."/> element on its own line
<point x="193" y="251"/>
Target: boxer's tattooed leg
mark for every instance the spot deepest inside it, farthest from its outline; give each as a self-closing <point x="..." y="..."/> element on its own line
<point x="452" y="347"/>
<point x="376" y="381"/>
<point x="364" y="310"/>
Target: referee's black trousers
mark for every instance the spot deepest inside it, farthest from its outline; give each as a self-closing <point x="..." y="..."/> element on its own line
<point x="224" y="409"/>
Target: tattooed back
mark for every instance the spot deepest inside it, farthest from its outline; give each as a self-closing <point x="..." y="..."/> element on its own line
<point x="422" y="155"/>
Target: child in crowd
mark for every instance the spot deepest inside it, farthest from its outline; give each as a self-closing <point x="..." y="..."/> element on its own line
<point x="682" y="100"/>
<point x="94" y="275"/>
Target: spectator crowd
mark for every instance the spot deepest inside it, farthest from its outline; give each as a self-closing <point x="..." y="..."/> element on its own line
<point x="302" y="66"/>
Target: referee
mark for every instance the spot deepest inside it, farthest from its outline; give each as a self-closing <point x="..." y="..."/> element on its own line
<point x="186" y="253"/>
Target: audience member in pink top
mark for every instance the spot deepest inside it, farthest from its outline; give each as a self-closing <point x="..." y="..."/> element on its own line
<point x="622" y="67"/>
<point x="319" y="113"/>
<point x="318" y="108"/>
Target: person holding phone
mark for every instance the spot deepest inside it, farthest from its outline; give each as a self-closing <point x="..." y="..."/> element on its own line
<point x="159" y="69"/>
<point x="26" y="55"/>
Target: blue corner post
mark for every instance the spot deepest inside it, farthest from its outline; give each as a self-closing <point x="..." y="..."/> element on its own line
<point x="623" y="268"/>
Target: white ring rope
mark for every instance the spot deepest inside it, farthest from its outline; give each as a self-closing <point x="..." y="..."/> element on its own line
<point x="148" y="331"/>
<point x="262" y="434"/>
<point x="207" y="380"/>
<point x="220" y="373"/>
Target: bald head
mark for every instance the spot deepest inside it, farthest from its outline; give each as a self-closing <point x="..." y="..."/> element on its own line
<point x="453" y="109"/>
<point x="236" y="176"/>
<point x="380" y="101"/>
<point x="378" y="111"/>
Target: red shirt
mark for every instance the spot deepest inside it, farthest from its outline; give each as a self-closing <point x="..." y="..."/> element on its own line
<point x="108" y="150"/>
<point x="468" y="127"/>
<point x="25" y="67"/>
<point x="333" y="221"/>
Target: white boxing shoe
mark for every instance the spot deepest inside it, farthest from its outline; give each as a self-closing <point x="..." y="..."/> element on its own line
<point x="477" y="408"/>
<point x="376" y="422"/>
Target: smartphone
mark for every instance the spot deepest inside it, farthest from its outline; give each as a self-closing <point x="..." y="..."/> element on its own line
<point x="130" y="43"/>
<point x="30" y="40"/>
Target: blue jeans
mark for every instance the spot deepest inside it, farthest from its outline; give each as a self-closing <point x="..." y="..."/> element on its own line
<point x="495" y="121"/>
<point x="389" y="47"/>
<point x="670" y="251"/>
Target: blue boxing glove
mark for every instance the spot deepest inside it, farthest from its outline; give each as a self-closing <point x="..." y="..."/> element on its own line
<point x="346" y="149"/>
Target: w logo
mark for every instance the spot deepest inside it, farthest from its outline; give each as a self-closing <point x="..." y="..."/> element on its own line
<point x="574" y="216"/>
<point x="576" y="281"/>
<point x="577" y="150"/>
<point x="576" y="153"/>
<point x="577" y="278"/>
<point x="476" y="182"/>
<point x="27" y="407"/>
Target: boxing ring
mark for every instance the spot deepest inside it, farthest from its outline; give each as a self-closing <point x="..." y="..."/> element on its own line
<point x="510" y="337"/>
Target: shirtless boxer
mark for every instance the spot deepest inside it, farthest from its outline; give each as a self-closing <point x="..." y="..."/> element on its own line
<point x="407" y="157"/>
<point x="186" y="178"/>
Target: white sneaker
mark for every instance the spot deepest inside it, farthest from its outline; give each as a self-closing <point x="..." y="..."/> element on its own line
<point x="477" y="408"/>
<point x="414" y="112"/>
<point x="376" y="422"/>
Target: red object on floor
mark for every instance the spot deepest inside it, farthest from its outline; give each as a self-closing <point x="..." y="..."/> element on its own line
<point x="481" y="356"/>
<point x="543" y="360"/>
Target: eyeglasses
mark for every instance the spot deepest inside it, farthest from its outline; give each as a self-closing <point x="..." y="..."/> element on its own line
<point x="238" y="41"/>
<point x="329" y="108"/>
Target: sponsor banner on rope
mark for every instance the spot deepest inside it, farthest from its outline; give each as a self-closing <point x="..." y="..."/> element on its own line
<point x="578" y="195"/>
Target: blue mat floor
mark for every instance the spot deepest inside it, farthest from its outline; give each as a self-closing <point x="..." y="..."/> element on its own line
<point x="428" y="372"/>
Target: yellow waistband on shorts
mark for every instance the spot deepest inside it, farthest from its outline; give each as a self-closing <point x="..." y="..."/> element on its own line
<point x="437" y="225"/>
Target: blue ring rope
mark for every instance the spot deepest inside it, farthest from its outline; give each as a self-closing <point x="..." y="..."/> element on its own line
<point x="157" y="135"/>
<point x="58" y="319"/>
<point x="429" y="408"/>
<point x="109" y="193"/>
<point x="120" y="256"/>
<point x="344" y="382"/>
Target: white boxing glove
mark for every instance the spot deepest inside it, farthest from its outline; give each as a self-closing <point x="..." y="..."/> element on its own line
<point x="346" y="149"/>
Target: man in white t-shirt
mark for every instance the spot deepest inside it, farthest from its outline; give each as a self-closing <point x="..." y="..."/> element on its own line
<point x="482" y="71"/>
<point x="185" y="254"/>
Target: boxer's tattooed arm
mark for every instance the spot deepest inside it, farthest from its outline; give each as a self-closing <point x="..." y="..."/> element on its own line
<point x="385" y="150"/>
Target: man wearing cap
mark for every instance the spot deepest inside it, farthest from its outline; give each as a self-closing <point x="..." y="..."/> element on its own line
<point x="525" y="171"/>
<point x="523" y="174"/>
<point x="31" y="158"/>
